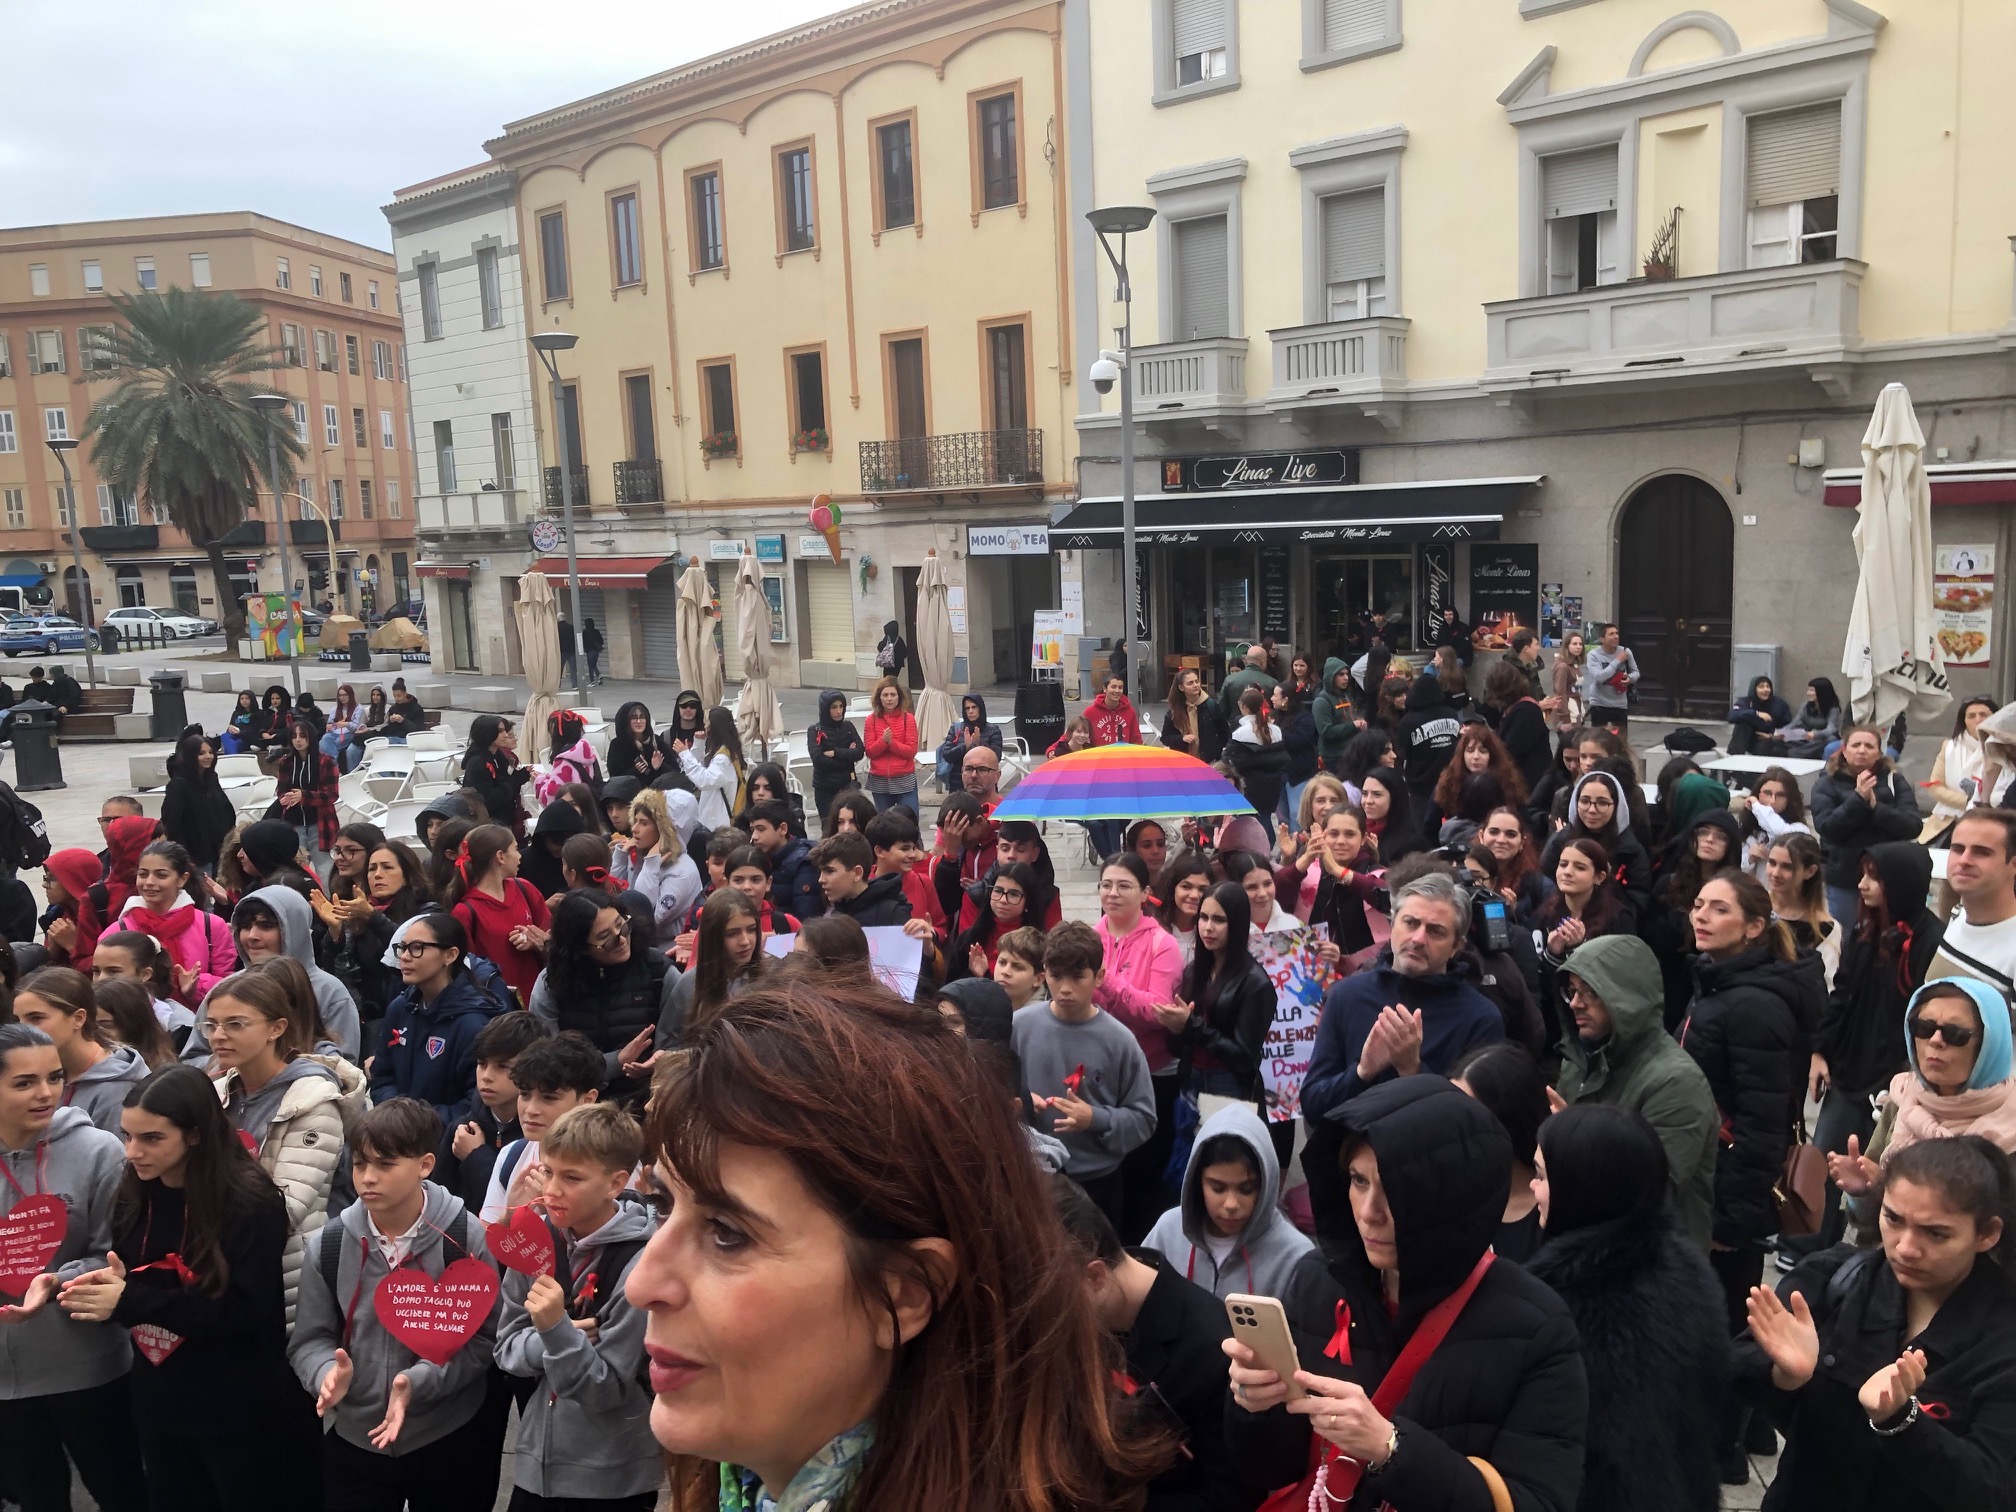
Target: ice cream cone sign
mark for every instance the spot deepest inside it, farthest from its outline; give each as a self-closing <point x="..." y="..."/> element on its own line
<point x="824" y="517"/>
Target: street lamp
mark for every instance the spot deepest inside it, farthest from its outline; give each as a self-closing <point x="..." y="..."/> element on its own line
<point x="1118" y="222"/>
<point x="271" y="406"/>
<point x="63" y="448"/>
<point x="546" y="343"/>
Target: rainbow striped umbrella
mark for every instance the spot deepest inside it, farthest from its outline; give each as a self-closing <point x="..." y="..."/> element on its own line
<point x="1121" y="782"/>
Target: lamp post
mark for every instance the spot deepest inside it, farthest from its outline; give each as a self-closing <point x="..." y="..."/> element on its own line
<point x="546" y="343"/>
<point x="271" y="405"/>
<point x="1117" y="222"/>
<point x="63" y="448"/>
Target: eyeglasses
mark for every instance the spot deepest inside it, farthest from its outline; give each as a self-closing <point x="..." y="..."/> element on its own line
<point x="1953" y="1036"/>
<point x="607" y="941"/>
<point x="231" y="1026"/>
<point x="1008" y="894"/>
<point x="412" y="950"/>
<point x="348" y="852"/>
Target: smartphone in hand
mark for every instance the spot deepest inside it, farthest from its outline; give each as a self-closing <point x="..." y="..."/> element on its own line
<point x="1262" y="1326"/>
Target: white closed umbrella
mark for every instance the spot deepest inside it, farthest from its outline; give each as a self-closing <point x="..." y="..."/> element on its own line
<point x="935" y="708"/>
<point x="1893" y="661"/>
<point x="757" y="711"/>
<point x="539" y="647"/>
<point x="699" y="658"/>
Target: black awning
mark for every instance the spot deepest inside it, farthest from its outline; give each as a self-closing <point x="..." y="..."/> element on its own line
<point x="1458" y="509"/>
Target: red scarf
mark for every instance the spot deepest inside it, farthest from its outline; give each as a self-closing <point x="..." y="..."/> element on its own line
<point x="164" y="927"/>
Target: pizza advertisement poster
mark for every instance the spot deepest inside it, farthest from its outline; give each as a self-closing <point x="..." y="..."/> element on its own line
<point x="1963" y="602"/>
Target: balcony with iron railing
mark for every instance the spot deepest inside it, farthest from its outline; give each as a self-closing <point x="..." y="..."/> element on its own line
<point x="495" y="509"/>
<point x="639" y="481"/>
<point x="554" y="498"/>
<point x="951" y="463"/>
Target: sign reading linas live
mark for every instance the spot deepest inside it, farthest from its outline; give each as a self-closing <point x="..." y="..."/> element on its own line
<point x="1309" y="469"/>
<point x="1504" y="592"/>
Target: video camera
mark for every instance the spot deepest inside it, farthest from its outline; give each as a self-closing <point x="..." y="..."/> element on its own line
<point x="1490" y="920"/>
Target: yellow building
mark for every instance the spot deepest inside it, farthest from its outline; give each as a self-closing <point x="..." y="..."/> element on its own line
<point x="1407" y="289"/>
<point x="334" y="327"/>
<point x="828" y="262"/>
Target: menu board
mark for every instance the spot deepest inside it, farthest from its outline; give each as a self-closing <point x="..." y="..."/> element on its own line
<point x="1963" y="602"/>
<point x="1504" y="592"/>
<point x="1274" y="611"/>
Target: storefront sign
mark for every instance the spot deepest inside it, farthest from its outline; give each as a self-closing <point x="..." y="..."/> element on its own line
<point x="814" y="546"/>
<point x="1963" y="597"/>
<point x="1072" y="593"/>
<point x="770" y="548"/>
<point x="1438" y="581"/>
<point x="1274" y="607"/>
<point x="1504" y="592"/>
<point x="1007" y="540"/>
<point x="725" y="551"/>
<point x="1310" y="469"/>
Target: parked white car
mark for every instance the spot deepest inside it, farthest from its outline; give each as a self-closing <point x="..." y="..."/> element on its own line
<point x="160" y="621"/>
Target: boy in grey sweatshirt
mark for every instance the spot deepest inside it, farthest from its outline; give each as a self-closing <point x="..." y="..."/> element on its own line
<point x="1227" y="1234"/>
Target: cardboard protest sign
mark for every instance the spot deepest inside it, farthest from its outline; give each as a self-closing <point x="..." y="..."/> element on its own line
<point x="435" y="1317"/>
<point x="1300" y="977"/>
<point x="524" y="1244"/>
<point x="30" y="1235"/>
<point x="895" y="957"/>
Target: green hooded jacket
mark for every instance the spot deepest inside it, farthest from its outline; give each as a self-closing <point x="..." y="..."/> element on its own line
<point x="1335" y="723"/>
<point x="1640" y="1066"/>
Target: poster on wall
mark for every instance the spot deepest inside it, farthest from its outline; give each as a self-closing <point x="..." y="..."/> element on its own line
<point x="1963" y="597"/>
<point x="1551" y="629"/>
<point x="275" y="621"/>
<point x="1504" y="592"/>
<point x="1571" y="616"/>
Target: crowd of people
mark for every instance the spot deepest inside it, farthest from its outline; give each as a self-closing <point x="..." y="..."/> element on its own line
<point x="586" y="1121"/>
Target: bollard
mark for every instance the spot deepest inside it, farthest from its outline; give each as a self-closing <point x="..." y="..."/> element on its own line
<point x="171" y="709"/>
<point x="38" y="766"/>
<point x="360" y="651"/>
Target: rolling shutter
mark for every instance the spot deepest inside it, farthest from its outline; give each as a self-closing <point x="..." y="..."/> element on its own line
<point x="1794" y="155"/>
<point x="592" y="608"/>
<point x="659" y="612"/>
<point x="1353" y="23"/>
<point x="828" y="613"/>
<point x="1579" y="183"/>
<point x="1203" y="304"/>
<point x="1196" y="26"/>
<point x="1354" y="236"/>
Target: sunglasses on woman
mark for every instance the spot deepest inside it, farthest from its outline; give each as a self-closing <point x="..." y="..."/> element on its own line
<point x="1955" y="1036"/>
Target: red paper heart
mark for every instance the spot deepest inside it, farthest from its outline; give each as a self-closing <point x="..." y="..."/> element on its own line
<point x="155" y="1342"/>
<point x="435" y="1318"/>
<point x="30" y="1236"/>
<point x="524" y="1243"/>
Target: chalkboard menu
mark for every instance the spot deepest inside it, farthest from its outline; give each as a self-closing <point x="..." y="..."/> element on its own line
<point x="1274" y="616"/>
<point x="1504" y="591"/>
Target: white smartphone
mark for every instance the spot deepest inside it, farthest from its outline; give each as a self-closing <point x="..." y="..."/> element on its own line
<point x="1262" y="1326"/>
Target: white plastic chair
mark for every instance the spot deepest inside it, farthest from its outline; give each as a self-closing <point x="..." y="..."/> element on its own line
<point x="244" y="765"/>
<point x="426" y="740"/>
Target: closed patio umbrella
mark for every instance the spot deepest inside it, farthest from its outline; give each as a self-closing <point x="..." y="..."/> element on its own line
<point x="1893" y="660"/>
<point x="539" y="647"/>
<point x="757" y="710"/>
<point x="935" y="708"/>
<point x="699" y="658"/>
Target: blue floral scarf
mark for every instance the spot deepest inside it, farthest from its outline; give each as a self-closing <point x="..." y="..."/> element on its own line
<point x="823" y="1484"/>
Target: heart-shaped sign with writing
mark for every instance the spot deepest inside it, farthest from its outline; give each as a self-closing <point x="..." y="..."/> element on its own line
<point x="524" y="1243"/>
<point x="30" y="1236"/>
<point x="155" y="1342"/>
<point x="435" y="1317"/>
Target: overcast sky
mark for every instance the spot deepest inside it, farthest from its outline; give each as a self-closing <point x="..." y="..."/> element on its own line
<point x="311" y="113"/>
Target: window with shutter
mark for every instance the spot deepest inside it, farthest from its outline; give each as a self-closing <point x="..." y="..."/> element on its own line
<point x="1578" y="198"/>
<point x="1198" y="34"/>
<point x="1794" y="155"/>
<point x="1578" y="183"/>
<point x="1354" y="23"/>
<point x="658" y="621"/>
<point x="1203" y="298"/>
<point x="1354" y="254"/>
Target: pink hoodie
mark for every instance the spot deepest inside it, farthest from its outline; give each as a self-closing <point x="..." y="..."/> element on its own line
<point x="1143" y="970"/>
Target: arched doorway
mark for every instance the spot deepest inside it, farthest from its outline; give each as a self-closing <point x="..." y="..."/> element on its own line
<point x="1676" y="544"/>
<point x="76" y="596"/>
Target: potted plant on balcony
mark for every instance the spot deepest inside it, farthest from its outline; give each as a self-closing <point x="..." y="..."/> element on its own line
<point x="1659" y="257"/>
<point x="811" y="440"/>
<point x="721" y="443"/>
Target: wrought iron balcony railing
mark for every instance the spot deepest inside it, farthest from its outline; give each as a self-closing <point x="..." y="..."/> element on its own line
<point x="968" y="459"/>
<point x="553" y="498"/>
<point x="640" y="482"/>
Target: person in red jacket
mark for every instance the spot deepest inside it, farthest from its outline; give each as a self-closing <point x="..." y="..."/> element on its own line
<point x="1112" y="716"/>
<point x="890" y="737"/>
<point x="74" y="919"/>
<point x="504" y="916"/>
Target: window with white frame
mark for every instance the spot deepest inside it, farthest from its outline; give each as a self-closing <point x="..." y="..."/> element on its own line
<point x="299" y="407"/>
<point x="343" y="287"/>
<point x="430" y="301"/>
<point x="325" y="351"/>
<point x="626" y="239"/>
<point x="1354" y="254"/>
<point x="315" y="281"/>
<point x="364" y="498"/>
<point x="1336" y="31"/>
<point x="199" y="270"/>
<point x="293" y="341"/>
<point x="1203" y="305"/>
<point x="304" y="500"/>
<point x="394" y="510"/>
<point x="1199" y="40"/>
<point x="38" y="280"/>
<point x="94" y="348"/>
<point x="1578" y="200"/>
<point x="381" y="360"/>
<point x="66" y="504"/>
<point x="335" y="498"/>
<point x="490" y="287"/>
<point x="332" y="426"/>
<point x="6" y="360"/>
<point x="371" y="292"/>
<point x="55" y="423"/>
<point x="115" y="508"/>
<point x="444" y="455"/>
<point x="9" y="441"/>
<point x="1792" y="186"/>
<point x="504" y="456"/>
<point x="351" y="359"/>
<point x="283" y="274"/>
<point x="143" y="272"/>
<point x="385" y="432"/>
<point x="17" y="508"/>
<point x="48" y="351"/>
<point x="94" y="276"/>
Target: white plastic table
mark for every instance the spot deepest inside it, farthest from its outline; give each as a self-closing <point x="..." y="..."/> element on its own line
<point x="1756" y="766"/>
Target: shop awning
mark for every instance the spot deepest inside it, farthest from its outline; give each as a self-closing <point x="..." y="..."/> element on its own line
<point x="20" y="579"/>
<point x="1952" y="483"/>
<point x="442" y="570"/>
<point x="1456" y="509"/>
<point x="604" y="572"/>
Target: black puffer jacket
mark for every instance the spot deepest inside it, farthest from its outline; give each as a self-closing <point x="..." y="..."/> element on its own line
<point x="1862" y="1030"/>
<point x="1960" y="1456"/>
<point x="1848" y="826"/>
<point x="1649" y="1313"/>
<point x="1507" y="1383"/>
<point x="1262" y="769"/>
<point x="1749" y="1030"/>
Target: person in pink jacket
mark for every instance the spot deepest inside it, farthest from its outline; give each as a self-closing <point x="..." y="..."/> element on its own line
<point x="168" y="905"/>
<point x="891" y="739"/>
<point x="1144" y="964"/>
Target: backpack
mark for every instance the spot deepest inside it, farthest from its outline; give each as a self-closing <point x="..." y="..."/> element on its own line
<point x="24" y="837"/>
<point x="608" y="1274"/>
<point x="329" y="1253"/>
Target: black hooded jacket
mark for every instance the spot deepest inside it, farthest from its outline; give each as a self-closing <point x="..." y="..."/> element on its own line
<point x="558" y="822"/>
<point x="1427" y="735"/>
<point x="881" y="904"/>
<point x="835" y="748"/>
<point x="1862" y="1031"/>
<point x="631" y="757"/>
<point x="689" y="719"/>
<point x="1749" y="1030"/>
<point x="1506" y="1385"/>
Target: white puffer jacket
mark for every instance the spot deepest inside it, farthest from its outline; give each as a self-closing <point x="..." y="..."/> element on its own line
<point x="302" y="1149"/>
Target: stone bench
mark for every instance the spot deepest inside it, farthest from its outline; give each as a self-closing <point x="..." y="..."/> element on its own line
<point x="496" y="700"/>
<point x="132" y="727"/>
<point x="324" y="684"/>
<point x="213" y="679"/>
<point x="387" y="661"/>
<point x="432" y="695"/>
<point x="147" y="771"/>
<point x="126" y="675"/>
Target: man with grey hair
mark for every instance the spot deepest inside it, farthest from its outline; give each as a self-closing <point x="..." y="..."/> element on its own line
<point x="1409" y="1013"/>
<point x="1254" y="674"/>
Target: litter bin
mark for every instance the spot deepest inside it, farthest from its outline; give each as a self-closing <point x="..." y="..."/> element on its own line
<point x="171" y="709"/>
<point x="31" y="725"/>
<point x="108" y="639"/>
<point x="360" y="651"/>
<point x="1039" y="714"/>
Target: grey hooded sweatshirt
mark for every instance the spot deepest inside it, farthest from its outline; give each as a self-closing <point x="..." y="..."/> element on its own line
<point x="51" y="1353"/>
<point x="1265" y="1251"/>
<point x="585" y="1433"/>
<point x="338" y="1008"/>
<point x="101" y="1092"/>
<point x="444" y="1396"/>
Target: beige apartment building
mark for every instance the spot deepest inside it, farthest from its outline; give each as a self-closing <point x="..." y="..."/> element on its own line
<point x="828" y="262"/>
<point x="332" y="307"/>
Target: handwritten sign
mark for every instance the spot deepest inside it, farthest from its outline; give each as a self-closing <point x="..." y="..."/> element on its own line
<point x="895" y="957"/>
<point x="525" y="1243"/>
<point x="1300" y="978"/>
<point x="435" y="1317"/>
<point x="30" y="1236"/>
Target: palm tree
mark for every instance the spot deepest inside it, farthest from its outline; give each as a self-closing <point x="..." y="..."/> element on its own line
<point x="179" y="432"/>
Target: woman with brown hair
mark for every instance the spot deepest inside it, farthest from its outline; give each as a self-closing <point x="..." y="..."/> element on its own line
<point x="1859" y="801"/>
<point x="1477" y="750"/>
<point x="1194" y="725"/>
<point x="861" y="1297"/>
<point x="1449" y="672"/>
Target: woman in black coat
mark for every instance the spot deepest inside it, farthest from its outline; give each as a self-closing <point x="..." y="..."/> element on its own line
<point x="1599" y="809"/>
<point x="1646" y="1306"/>
<point x="490" y="767"/>
<point x="1229" y="999"/>
<point x="1859" y="801"/>
<point x="636" y="749"/>
<point x="1758" y="721"/>
<point x="195" y="811"/>
<point x="1407" y="1183"/>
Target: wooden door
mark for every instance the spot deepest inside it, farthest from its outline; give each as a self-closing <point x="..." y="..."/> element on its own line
<point x="1675" y="562"/>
